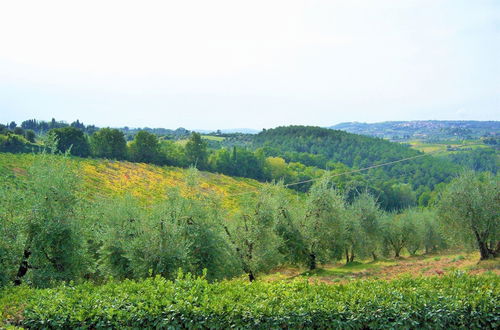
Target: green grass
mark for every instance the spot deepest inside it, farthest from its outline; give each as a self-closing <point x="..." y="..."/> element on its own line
<point x="387" y="268"/>
<point x="346" y="270"/>
<point x="213" y="138"/>
<point x="442" y="146"/>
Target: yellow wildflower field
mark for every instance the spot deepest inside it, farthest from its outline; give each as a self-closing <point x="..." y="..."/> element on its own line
<point x="145" y="181"/>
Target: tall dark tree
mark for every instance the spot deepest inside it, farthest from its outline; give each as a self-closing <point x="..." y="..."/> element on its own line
<point x="78" y="124"/>
<point x="145" y="148"/>
<point x="30" y="135"/>
<point x="73" y="139"/>
<point x="30" y="124"/>
<point x="19" y="131"/>
<point x="196" y="151"/>
<point x="109" y="143"/>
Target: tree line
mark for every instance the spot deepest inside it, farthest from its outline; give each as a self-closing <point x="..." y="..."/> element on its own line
<point x="291" y="154"/>
<point x="49" y="233"/>
<point x="256" y="164"/>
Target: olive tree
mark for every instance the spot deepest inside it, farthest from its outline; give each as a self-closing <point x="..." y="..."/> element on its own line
<point x="470" y="209"/>
<point x="117" y="223"/>
<point x="54" y="247"/>
<point x="352" y="236"/>
<point x="183" y="232"/>
<point x="432" y="233"/>
<point x="289" y="212"/>
<point x="252" y="233"/>
<point x="11" y="234"/>
<point x="415" y="226"/>
<point x="363" y="229"/>
<point x="398" y="231"/>
<point x="322" y="224"/>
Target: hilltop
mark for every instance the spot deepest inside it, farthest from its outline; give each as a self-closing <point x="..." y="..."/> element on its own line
<point x="424" y="129"/>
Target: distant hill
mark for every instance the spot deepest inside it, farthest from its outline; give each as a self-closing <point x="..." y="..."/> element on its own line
<point x="353" y="150"/>
<point x="324" y="147"/>
<point x="429" y="130"/>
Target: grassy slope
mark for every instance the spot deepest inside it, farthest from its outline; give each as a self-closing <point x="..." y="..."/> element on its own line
<point x="442" y="146"/>
<point x="145" y="181"/>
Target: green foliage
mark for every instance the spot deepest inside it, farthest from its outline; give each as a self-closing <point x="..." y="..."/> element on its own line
<point x="276" y="167"/>
<point x="30" y="135"/>
<point x="14" y="143"/>
<point x="292" y="154"/>
<point x="400" y="231"/>
<point x="322" y="224"/>
<point x="322" y="147"/>
<point x="252" y="233"/>
<point x="238" y="162"/>
<point x="173" y="153"/>
<point x="398" y="197"/>
<point x="53" y="224"/>
<point x="288" y="221"/>
<point x="71" y="139"/>
<point x="145" y="148"/>
<point x="159" y="244"/>
<point x="481" y="159"/>
<point x="128" y="237"/>
<point x="108" y="143"/>
<point x="196" y="151"/>
<point x="430" y="233"/>
<point x="363" y="227"/>
<point x="470" y="209"/>
<point x="11" y="234"/>
<point x="19" y="131"/>
<point x="116" y="222"/>
<point x="182" y="232"/>
<point x="413" y="221"/>
<point x="48" y="223"/>
<point x="452" y="301"/>
<point x="135" y="241"/>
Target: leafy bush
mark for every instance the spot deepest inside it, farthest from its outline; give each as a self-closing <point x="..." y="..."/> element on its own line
<point x="16" y="143"/>
<point x="456" y="300"/>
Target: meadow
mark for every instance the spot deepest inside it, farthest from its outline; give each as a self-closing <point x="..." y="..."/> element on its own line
<point x="147" y="182"/>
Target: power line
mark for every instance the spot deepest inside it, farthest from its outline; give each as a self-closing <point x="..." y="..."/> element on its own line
<point x="362" y="169"/>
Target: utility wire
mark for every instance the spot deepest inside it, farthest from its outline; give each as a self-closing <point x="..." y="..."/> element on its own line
<point x="362" y="169"/>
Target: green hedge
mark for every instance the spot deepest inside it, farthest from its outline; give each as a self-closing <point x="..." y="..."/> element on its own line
<point x="456" y="300"/>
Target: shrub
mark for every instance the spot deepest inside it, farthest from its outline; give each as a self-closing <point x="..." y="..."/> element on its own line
<point x="457" y="300"/>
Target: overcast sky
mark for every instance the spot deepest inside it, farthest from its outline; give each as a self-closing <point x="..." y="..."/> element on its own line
<point x="256" y="64"/>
